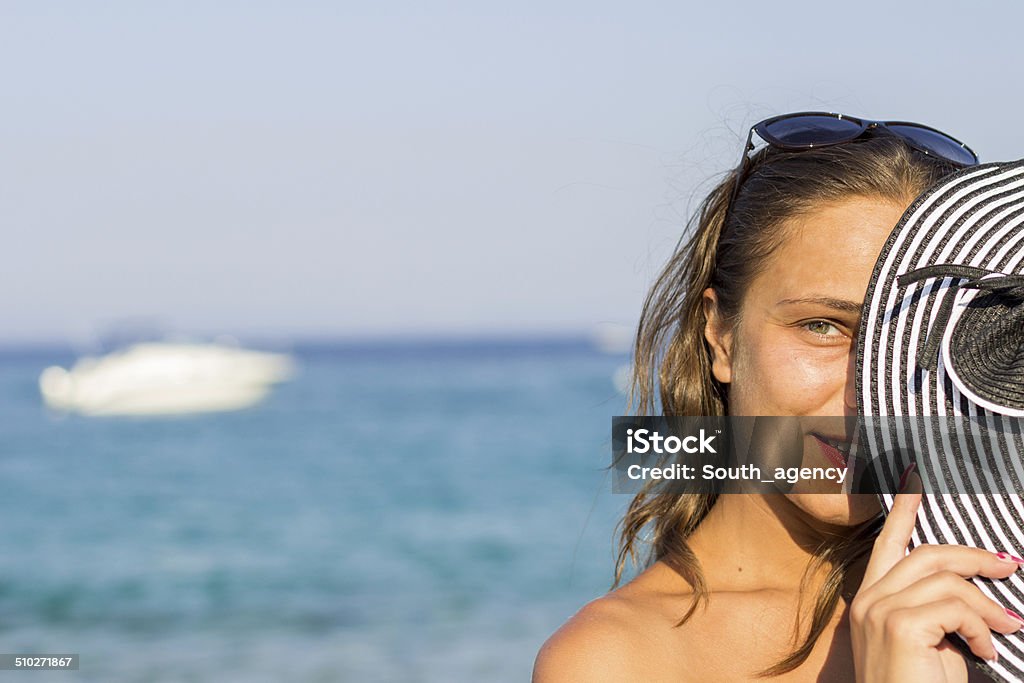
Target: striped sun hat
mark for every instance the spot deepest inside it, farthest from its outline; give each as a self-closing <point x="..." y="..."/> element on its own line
<point x="941" y="348"/>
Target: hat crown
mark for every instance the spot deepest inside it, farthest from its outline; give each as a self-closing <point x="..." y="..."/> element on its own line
<point x="995" y="333"/>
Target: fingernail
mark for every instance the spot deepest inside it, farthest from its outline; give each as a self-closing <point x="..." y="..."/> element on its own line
<point x="1007" y="557"/>
<point x="1016" y="616"/>
<point x="995" y="658"/>
<point x="905" y="476"/>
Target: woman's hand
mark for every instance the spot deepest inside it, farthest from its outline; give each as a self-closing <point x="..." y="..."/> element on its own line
<point x="907" y="603"/>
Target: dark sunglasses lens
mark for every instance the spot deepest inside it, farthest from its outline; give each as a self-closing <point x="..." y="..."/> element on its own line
<point x="936" y="143"/>
<point x="808" y="131"/>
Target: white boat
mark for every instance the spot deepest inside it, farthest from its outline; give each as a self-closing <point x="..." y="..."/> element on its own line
<point x="613" y="338"/>
<point x="160" y="378"/>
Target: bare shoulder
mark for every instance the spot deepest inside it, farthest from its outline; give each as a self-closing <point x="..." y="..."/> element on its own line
<point x="617" y="637"/>
<point x="598" y="643"/>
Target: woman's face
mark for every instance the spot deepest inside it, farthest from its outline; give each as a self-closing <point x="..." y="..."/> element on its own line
<point x="792" y="351"/>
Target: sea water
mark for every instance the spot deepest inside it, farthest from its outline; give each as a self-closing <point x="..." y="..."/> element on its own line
<point x="408" y="512"/>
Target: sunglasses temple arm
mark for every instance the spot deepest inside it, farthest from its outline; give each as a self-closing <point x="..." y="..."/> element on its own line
<point x="741" y="170"/>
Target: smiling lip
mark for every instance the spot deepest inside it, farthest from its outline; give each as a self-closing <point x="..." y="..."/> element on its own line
<point x="835" y="450"/>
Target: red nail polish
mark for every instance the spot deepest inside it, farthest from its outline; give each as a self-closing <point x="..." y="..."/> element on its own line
<point x="1010" y="558"/>
<point x="905" y="476"/>
<point x="1013" y="614"/>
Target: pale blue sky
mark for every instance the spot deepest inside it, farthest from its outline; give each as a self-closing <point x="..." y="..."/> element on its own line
<point x="342" y="169"/>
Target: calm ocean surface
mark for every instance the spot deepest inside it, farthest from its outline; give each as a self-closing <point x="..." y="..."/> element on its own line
<point x="408" y="513"/>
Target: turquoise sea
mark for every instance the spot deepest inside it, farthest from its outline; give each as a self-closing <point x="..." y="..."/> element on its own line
<point x="397" y="512"/>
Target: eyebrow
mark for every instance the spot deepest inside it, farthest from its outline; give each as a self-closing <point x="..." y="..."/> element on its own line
<point x="838" y="304"/>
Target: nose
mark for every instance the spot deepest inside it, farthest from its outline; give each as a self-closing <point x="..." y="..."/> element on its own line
<point x="850" y="390"/>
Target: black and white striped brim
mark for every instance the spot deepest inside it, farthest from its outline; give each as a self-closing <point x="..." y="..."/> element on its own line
<point x="942" y="334"/>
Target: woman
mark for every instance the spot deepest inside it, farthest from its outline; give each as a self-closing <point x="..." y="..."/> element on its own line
<point x="757" y="315"/>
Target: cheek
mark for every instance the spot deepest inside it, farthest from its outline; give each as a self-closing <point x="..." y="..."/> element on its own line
<point x="775" y="376"/>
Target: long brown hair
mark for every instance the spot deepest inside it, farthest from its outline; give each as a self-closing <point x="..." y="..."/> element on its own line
<point x="725" y="247"/>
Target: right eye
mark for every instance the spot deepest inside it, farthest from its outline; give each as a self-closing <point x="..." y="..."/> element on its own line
<point x="822" y="328"/>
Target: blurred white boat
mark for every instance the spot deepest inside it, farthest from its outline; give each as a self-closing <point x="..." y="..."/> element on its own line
<point x="623" y="378"/>
<point x="612" y="338"/>
<point x="159" y="378"/>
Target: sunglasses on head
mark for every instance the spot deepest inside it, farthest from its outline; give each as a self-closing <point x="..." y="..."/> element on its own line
<point x="812" y="129"/>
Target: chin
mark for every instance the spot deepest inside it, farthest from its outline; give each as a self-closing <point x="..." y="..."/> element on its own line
<point x="837" y="509"/>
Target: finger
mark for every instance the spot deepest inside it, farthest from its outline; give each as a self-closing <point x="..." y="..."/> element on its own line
<point x="891" y="545"/>
<point x="911" y="482"/>
<point x="927" y="626"/>
<point x="945" y="585"/>
<point x="961" y="560"/>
